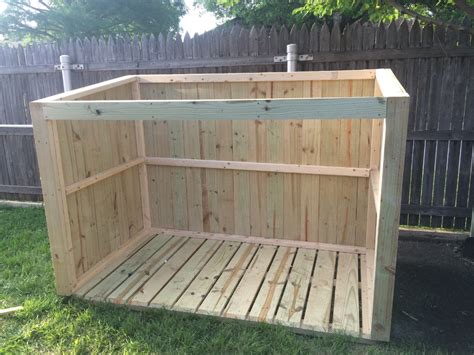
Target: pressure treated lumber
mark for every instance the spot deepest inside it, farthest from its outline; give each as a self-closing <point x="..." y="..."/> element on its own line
<point x="258" y="166"/>
<point x="268" y="109"/>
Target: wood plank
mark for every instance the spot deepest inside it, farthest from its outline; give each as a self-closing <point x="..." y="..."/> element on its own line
<point x="290" y="310"/>
<point x="114" y="279"/>
<point x="264" y="167"/>
<point x="208" y="275"/>
<point x="16" y="130"/>
<point x="387" y="227"/>
<point x="140" y="276"/>
<point x="170" y="267"/>
<point x="82" y="184"/>
<point x="57" y="216"/>
<point x="179" y="283"/>
<point x="227" y="109"/>
<point x="245" y="77"/>
<point x="346" y="297"/>
<point x="112" y="261"/>
<point x="222" y="290"/>
<point x="268" y="298"/>
<point x="265" y="241"/>
<point x="245" y="293"/>
<point x="318" y="310"/>
<point x="366" y="322"/>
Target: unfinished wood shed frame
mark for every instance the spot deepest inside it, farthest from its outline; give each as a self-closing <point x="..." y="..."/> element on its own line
<point x="265" y="196"/>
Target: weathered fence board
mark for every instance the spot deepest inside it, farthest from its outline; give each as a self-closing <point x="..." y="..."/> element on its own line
<point x="436" y="66"/>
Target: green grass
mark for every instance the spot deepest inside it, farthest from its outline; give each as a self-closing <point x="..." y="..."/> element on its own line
<point x="55" y="324"/>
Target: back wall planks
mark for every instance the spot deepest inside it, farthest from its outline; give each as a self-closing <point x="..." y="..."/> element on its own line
<point x="263" y="204"/>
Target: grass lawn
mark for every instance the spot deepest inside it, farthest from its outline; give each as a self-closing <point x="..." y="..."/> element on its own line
<point x="50" y="323"/>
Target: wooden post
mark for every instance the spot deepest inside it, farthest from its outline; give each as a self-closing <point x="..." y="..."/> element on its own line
<point x="142" y="169"/>
<point x="55" y="203"/>
<point x="391" y="171"/>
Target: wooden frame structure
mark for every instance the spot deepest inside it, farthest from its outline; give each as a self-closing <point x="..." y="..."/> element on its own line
<point x="158" y="175"/>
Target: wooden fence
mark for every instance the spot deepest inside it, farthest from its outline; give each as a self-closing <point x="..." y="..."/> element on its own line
<point x="435" y="65"/>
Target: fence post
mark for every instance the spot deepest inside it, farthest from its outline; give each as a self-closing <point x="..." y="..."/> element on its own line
<point x="65" y="61"/>
<point x="291" y="57"/>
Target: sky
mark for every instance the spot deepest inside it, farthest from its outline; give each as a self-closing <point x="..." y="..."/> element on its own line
<point x="197" y="20"/>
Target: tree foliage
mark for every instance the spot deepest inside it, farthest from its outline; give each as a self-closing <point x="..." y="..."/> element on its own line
<point x="54" y="19"/>
<point x="452" y="13"/>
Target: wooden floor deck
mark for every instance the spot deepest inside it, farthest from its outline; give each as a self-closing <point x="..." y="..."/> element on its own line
<point x="304" y="288"/>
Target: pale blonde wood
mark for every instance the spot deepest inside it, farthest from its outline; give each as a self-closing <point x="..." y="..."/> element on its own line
<point x="263" y="241"/>
<point x="264" y="167"/>
<point x="240" y="149"/>
<point x="268" y="297"/>
<point x="102" y="176"/>
<point x="229" y="109"/>
<point x="157" y="281"/>
<point x="389" y="84"/>
<point x="54" y="196"/>
<point x="200" y="287"/>
<point x="7" y="311"/>
<point x="249" y="285"/>
<point x="141" y="152"/>
<point x="91" y="89"/>
<point x="108" y="264"/>
<point x="223" y="289"/>
<point x="387" y="226"/>
<point x="123" y="272"/>
<point x="346" y="295"/>
<point x="167" y="297"/>
<point x="290" y="310"/>
<point x="140" y="276"/>
<point x="366" y="317"/>
<point x="318" y="311"/>
<point x="245" y="77"/>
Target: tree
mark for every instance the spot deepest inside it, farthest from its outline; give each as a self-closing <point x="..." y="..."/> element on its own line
<point x="261" y="12"/>
<point x="449" y="13"/>
<point x="26" y="20"/>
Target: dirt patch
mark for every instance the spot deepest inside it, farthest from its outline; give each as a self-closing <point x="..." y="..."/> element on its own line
<point x="434" y="296"/>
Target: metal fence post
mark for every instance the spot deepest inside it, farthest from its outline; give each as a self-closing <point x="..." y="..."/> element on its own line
<point x="291" y="57"/>
<point x="65" y="61"/>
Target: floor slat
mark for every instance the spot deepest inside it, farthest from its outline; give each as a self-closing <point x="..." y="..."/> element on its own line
<point x="268" y="297"/>
<point x="318" y="310"/>
<point x="131" y="285"/>
<point x="217" y="298"/>
<point x="290" y="310"/>
<point x="156" y="282"/>
<point x="245" y="293"/>
<point x="346" y="298"/>
<point x="178" y="284"/>
<point x="202" y="284"/>
<point x="100" y="291"/>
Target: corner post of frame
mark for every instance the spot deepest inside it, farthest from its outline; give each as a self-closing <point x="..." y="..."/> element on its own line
<point x="391" y="171"/>
<point x="54" y="195"/>
<point x="142" y="169"/>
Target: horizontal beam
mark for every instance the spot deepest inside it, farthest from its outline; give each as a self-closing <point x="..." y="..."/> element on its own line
<point x="263" y="167"/>
<point x="260" y="240"/>
<point x="16" y="130"/>
<point x="17" y="189"/>
<point x="91" y="89"/>
<point x="264" y="76"/>
<point x="256" y="109"/>
<point x="318" y="57"/>
<point x="102" y="176"/>
<point x="443" y="211"/>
